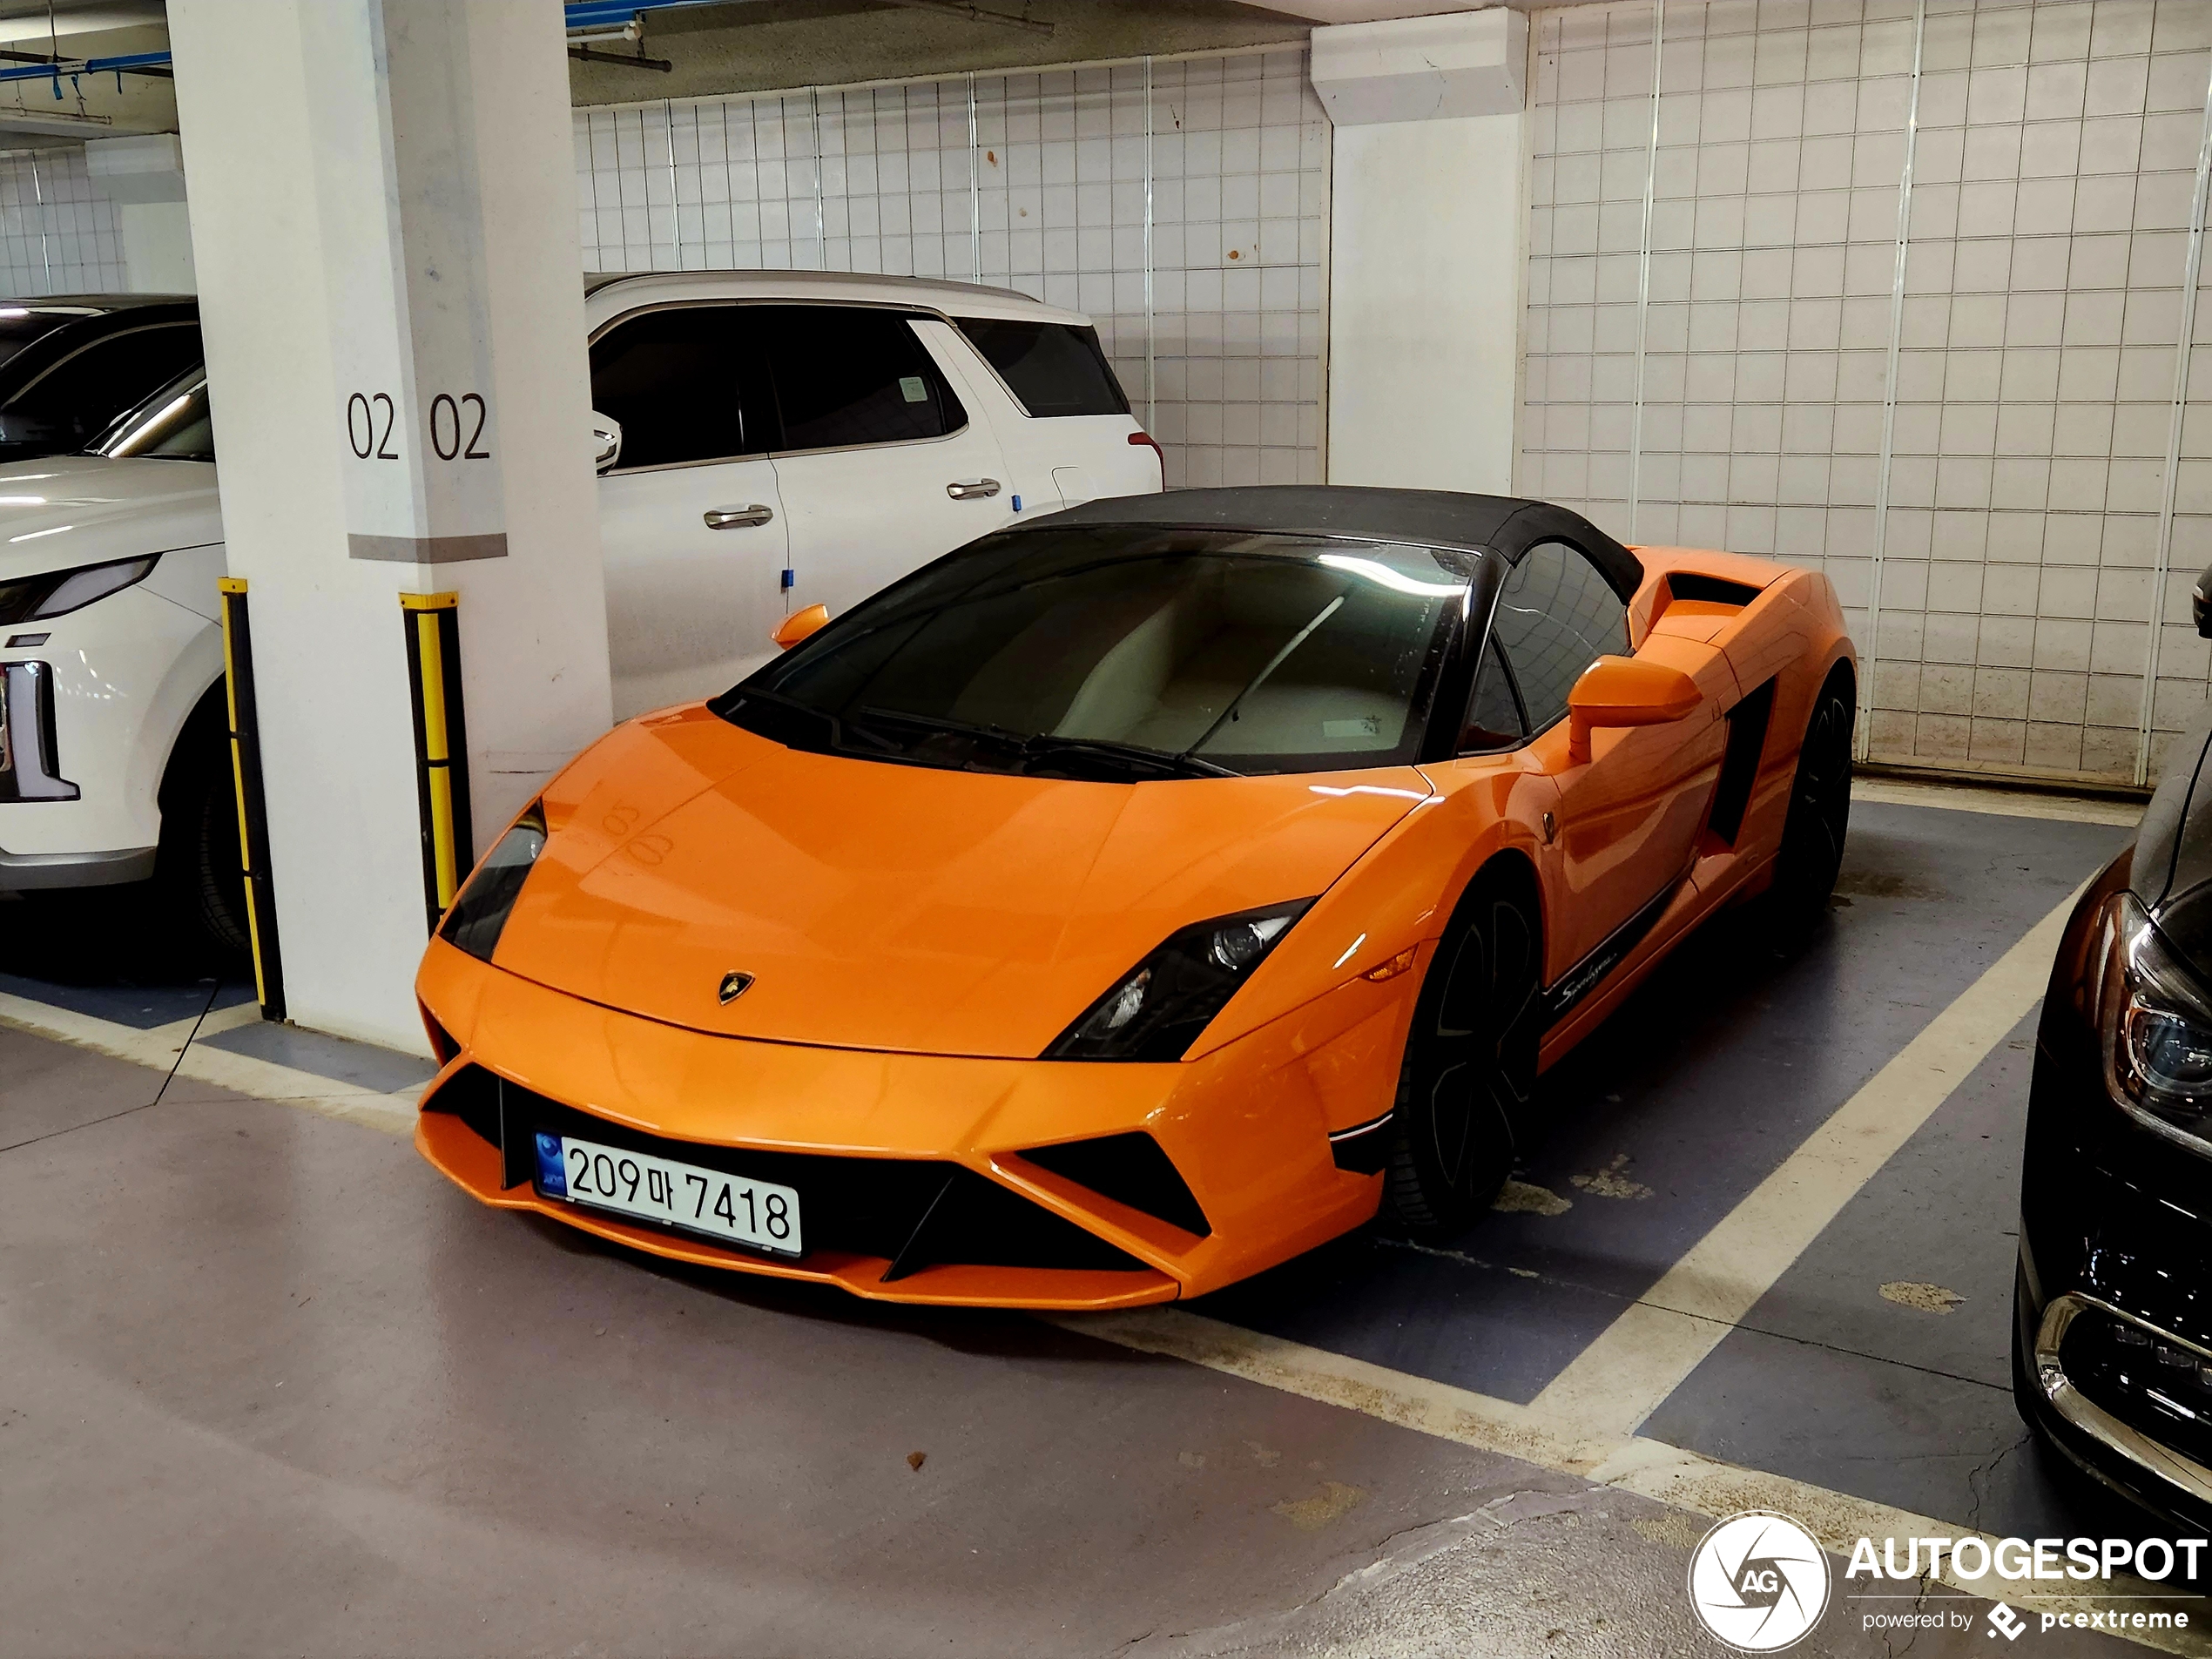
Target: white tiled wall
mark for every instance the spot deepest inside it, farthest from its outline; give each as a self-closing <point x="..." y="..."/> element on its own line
<point x="1207" y="176"/>
<point x="57" y="235"/>
<point x="2016" y="490"/>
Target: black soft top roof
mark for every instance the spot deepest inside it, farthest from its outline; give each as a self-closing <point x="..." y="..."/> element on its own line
<point x="1424" y="517"/>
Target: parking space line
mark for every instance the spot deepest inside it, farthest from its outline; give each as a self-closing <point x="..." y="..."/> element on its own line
<point x="1643" y="1357"/>
<point x="2001" y="802"/>
<point x="1539" y="1434"/>
<point x="393" y="1114"/>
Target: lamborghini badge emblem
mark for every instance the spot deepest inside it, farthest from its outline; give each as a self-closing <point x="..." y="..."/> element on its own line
<point x="735" y="986"/>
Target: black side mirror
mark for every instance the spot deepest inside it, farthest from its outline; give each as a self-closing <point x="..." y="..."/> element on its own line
<point x="2201" y="605"/>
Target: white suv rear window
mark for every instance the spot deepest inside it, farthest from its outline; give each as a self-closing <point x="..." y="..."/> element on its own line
<point x="1055" y="368"/>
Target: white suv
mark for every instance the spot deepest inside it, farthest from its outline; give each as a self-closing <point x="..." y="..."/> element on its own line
<point x="768" y="441"/>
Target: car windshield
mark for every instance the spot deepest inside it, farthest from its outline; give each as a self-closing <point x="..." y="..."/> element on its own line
<point x="1129" y="653"/>
<point x="174" y="424"/>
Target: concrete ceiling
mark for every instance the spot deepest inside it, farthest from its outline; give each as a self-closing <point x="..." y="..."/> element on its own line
<point x="760" y="45"/>
<point x="27" y="20"/>
<point x="756" y="46"/>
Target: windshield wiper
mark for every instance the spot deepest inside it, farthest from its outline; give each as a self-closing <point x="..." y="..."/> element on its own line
<point x="936" y="726"/>
<point x="1260" y="679"/>
<point x="1127" y="754"/>
<point x="1044" y="746"/>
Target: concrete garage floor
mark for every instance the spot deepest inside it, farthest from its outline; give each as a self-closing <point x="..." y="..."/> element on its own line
<point x="268" y="1383"/>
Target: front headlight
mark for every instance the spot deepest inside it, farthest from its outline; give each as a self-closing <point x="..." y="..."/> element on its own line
<point x="2154" y="1021"/>
<point x="479" y="912"/>
<point x="56" y="593"/>
<point x="1158" y="1009"/>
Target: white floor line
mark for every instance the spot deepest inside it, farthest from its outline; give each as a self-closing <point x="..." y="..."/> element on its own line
<point x="1646" y="1354"/>
<point x="2002" y="803"/>
<point x="393" y="1114"/>
<point x="1649" y="1468"/>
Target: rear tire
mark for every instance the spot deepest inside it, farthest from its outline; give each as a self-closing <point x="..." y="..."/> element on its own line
<point x="197" y="867"/>
<point x="1470" y="1064"/>
<point x="1812" y="835"/>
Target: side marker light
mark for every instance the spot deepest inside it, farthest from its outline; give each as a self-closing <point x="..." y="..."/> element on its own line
<point x="1392" y="969"/>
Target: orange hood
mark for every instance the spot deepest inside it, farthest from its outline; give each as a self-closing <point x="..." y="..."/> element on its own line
<point x="892" y="907"/>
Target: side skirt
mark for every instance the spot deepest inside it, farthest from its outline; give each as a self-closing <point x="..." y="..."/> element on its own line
<point x="1565" y="995"/>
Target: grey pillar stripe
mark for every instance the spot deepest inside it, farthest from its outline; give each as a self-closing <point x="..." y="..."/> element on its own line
<point x="1152" y="375"/>
<point x="45" y="254"/>
<point x="2163" y="565"/>
<point x="974" y="186"/>
<point x="675" y="195"/>
<point x="427" y="549"/>
<point x="1870" y="657"/>
<point x="821" y="222"/>
<point x="1643" y="270"/>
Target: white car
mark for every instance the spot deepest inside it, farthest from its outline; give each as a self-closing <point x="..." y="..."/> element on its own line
<point x="768" y="441"/>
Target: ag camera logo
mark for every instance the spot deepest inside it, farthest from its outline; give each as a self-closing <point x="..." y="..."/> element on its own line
<point x="1758" y="1581"/>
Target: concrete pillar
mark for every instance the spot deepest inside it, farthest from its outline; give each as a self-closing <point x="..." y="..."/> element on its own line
<point x="144" y="176"/>
<point x="383" y="216"/>
<point x="1428" y="247"/>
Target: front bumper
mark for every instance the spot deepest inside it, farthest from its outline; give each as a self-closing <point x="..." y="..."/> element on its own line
<point x="93" y="714"/>
<point x="878" y="1136"/>
<point x="2113" y="1342"/>
<point x="2136" y="1459"/>
<point x="32" y="872"/>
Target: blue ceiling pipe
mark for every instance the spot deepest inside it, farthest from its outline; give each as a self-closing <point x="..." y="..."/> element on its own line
<point x="598" y="14"/>
<point x="90" y="66"/>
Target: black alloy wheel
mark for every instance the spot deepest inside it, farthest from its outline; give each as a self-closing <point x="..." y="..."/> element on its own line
<point x="1470" y="1064"/>
<point x="1812" y="835"/>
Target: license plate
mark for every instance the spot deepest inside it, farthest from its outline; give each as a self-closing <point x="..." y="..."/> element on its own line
<point x="731" y="1209"/>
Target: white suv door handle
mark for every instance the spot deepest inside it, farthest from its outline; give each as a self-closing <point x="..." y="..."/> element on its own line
<point x="974" y="489"/>
<point x="735" y="518"/>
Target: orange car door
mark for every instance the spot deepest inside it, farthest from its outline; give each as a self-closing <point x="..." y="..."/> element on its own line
<point x="1629" y="818"/>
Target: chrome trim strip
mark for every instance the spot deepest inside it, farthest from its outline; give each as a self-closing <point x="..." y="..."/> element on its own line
<point x="2183" y="1473"/>
<point x="1338" y="1137"/>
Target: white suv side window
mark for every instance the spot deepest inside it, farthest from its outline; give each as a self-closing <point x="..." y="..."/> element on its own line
<point x="685" y="382"/>
<point x="846" y="376"/>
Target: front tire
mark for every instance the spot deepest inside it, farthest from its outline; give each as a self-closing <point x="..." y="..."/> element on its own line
<point x="1813" y="836"/>
<point x="198" y="868"/>
<point x="1470" y="1064"/>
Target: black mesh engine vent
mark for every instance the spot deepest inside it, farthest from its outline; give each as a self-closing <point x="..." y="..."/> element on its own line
<point x="1128" y="1169"/>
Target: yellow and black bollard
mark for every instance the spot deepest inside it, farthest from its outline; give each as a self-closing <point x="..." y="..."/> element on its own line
<point x="252" y="807"/>
<point x="441" y="745"/>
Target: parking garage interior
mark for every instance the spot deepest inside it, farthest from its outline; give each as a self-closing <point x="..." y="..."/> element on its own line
<point x="1903" y="294"/>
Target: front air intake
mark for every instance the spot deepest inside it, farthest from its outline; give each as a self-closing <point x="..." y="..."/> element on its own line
<point x="1128" y="1169"/>
<point x="913" y="1213"/>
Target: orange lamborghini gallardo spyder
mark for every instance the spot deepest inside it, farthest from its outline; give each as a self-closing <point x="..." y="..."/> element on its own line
<point x="1132" y="899"/>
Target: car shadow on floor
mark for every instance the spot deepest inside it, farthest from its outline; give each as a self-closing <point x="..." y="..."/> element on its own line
<point x="110" y="936"/>
<point x="118" y="954"/>
<point x="993" y="1332"/>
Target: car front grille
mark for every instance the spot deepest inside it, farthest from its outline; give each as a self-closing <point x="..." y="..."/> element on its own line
<point x="912" y="1212"/>
<point x="2157" y="1387"/>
